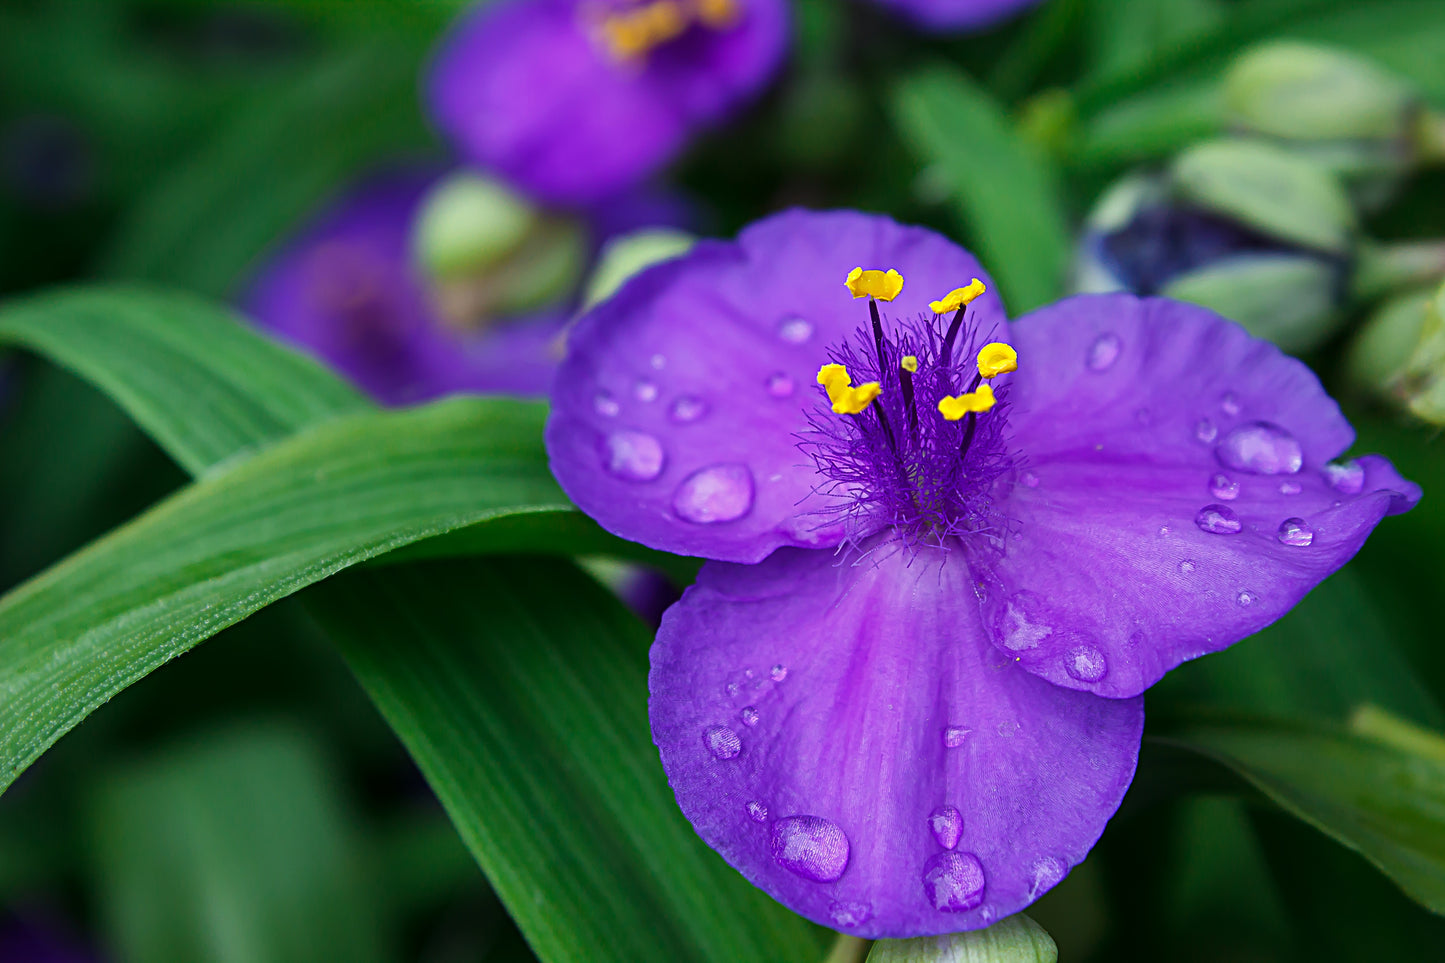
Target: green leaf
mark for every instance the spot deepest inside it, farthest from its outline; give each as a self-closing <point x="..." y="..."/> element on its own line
<point x="529" y="720"/>
<point x="191" y="374"/>
<point x="1005" y="191"/>
<point x="241" y="538"/>
<point x="236" y="849"/>
<point x="1382" y="800"/>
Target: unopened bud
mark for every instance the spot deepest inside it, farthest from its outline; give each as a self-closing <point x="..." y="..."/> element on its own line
<point x="627" y="255"/>
<point x="1016" y="939"/>
<point x="469" y="222"/>
<point x="1285" y="298"/>
<point x="1423" y="384"/>
<point x="1377" y="357"/>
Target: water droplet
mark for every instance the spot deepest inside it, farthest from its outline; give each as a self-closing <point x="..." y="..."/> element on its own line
<point x="795" y="330"/>
<point x="953" y="882"/>
<point x="811" y="846"/>
<point x="1205" y="431"/>
<point x="780" y="385"/>
<point x="687" y="409"/>
<point x="718" y="493"/>
<point x="1246" y="599"/>
<point x="779" y="672"/>
<point x="1260" y="448"/>
<point x="658" y="362"/>
<point x="1290" y="488"/>
<point x="1086" y="663"/>
<point x="722" y="742"/>
<point x="1229" y="403"/>
<point x="749" y="715"/>
<point x="645" y="391"/>
<point x="1046" y="875"/>
<point x="1347" y="478"/>
<point x="1006" y="730"/>
<point x="758" y="811"/>
<point x="733" y="688"/>
<point x="953" y="736"/>
<point x="1104" y="352"/>
<point x="946" y="822"/>
<point x="1030" y="480"/>
<point x="634" y="455"/>
<point x="848" y="914"/>
<point x="1136" y="638"/>
<point x="1218" y="520"/>
<point x="1016" y="629"/>
<point x="606" y="405"/>
<point x="1295" y="531"/>
<point x="1186" y="567"/>
<point x="1223" y="487"/>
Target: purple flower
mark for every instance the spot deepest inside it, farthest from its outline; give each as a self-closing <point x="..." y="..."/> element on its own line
<point x="904" y="698"/>
<point x="948" y="15"/>
<point x="573" y="100"/>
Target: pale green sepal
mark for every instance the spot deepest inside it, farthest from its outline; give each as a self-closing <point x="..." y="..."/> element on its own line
<point x="629" y="254"/>
<point x="1303" y="91"/>
<point x="1285" y="298"/>
<point x="1270" y="189"/>
<point x="467" y="223"/>
<point x="1423" y="385"/>
<point x="1377" y="357"/>
<point x="1016" y="939"/>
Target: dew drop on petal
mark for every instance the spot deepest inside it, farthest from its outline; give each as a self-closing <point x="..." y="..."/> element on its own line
<point x="658" y="362"/>
<point x="946" y="823"/>
<point x="1223" y="487"/>
<point x="722" y="742"/>
<point x="1218" y="520"/>
<point x="1205" y="431"/>
<point x="1229" y="403"/>
<point x="1086" y="663"/>
<point x="1290" y="488"/>
<point x="749" y="715"/>
<point x="1245" y="599"/>
<point x="1165" y="531"/>
<point x="1104" y="352"/>
<point x="953" y="736"/>
<point x="795" y="330"/>
<point x="780" y="385"/>
<point x="1186" y="567"/>
<point x="606" y="405"/>
<point x="687" y="409"/>
<point x="810" y="846"/>
<point x="1260" y="448"/>
<point x="848" y="914"/>
<point x="718" y="493"/>
<point x="634" y="455"/>
<point x="778" y="672"/>
<point x="1006" y="729"/>
<point x="1347" y="478"/>
<point x="953" y="881"/>
<point x="757" y="811"/>
<point x="644" y="391"/>
<point x="1295" y="531"/>
<point x="1030" y="480"/>
<point x="1046" y="875"/>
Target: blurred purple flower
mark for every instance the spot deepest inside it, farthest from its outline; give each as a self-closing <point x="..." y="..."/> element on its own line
<point x="347" y="290"/>
<point x="574" y="100"/>
<point x="950" y="15"/>
<point x="904" y="698"/>
<point x="26" y="940"/>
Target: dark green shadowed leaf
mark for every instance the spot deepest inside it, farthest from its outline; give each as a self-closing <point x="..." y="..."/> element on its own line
<point x="1386" y="801"/>
<point x="529" y="720"/>
<point x="194" y="377"/>
<point x="236" y="848"/>
<point x="240" y="539"/>
<point x="1004" y="190"/>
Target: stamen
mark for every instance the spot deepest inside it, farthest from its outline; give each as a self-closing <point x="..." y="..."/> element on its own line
<point x="629" y="35"/>
<point x="883" y="285"/>
<point x="906" y="369"/>
<point x="953" y="408"/>
<point x="997" y="358"/>
<point x="909" y="363"/>
<point x="958" y="297"/>
<point x="846" y="399"/>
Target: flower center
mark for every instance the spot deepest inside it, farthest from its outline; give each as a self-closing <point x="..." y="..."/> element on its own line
<point x="629" y="31"/>
<point x="912" y="435"/>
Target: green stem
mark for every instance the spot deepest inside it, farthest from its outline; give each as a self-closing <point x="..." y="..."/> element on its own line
<point x="849" y="949"/>
<point x="1377" y="724"/>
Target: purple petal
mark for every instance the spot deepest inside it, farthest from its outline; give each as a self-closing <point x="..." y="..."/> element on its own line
<point x="675" y="417"/>
<point x="521" y="88"/>
<point x="1174" y="495"/>
<point x="846" y="737"/>
<point x="948" y="15"/>
<point x="345" y="291"/>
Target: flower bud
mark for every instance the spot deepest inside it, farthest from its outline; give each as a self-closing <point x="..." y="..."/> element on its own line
<point x="1016" y="939"/>
<point x="1423" y="384"/>
<point x="629" y="254"/>
<point x="1285" y="298"/>
<point x="1379" y="352"/>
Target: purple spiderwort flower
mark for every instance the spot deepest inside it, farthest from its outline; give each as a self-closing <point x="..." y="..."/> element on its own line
<point x="951" y="15"/>
<point x="574" y="100"/>
<point x="904" y="697"/>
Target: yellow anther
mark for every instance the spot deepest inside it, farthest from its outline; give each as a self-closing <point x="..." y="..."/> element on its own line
<point x="883" y="285"/>
<point x="997" y="358"/>
<point x="631" y="34"/>
<point x="909" y="363"/>
<point x="717" y="14"/>
<point x="974" y="401"/>
<point x="957" y="298"/>
<point x="846" y="399"/>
